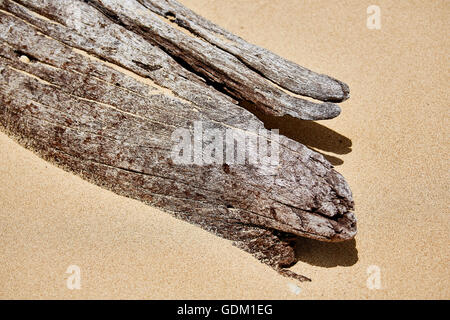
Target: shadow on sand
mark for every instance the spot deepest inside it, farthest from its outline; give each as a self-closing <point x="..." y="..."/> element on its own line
<point x="309" y="133"/>
<point x="326" y="254"/>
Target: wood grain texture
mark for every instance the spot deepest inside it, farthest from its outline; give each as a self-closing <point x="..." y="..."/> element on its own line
<point x="98" y="87"/>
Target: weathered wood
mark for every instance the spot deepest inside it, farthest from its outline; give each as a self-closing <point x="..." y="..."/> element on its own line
<point x="98" y="87"/>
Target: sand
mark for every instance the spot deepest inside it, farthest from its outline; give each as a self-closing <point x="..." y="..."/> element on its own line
<point x="390" y="143"/>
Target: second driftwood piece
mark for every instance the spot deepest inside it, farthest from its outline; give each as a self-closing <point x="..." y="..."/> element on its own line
<point x="99" y="88"/>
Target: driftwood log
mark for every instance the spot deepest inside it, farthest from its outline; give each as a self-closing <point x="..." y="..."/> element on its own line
<point x="98" y="88"/>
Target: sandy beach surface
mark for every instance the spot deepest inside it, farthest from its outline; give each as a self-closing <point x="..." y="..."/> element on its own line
<point x="390" y="143"/>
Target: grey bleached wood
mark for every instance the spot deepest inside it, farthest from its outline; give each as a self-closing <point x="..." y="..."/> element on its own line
<point x="99" y="87"/>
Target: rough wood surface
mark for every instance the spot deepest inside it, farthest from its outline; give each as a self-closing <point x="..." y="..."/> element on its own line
<point x="98" y="87"/>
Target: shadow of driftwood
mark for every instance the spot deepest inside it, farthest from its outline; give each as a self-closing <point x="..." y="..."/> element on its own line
<point x="326" y="254"/>
<point x="309" y="133"/>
